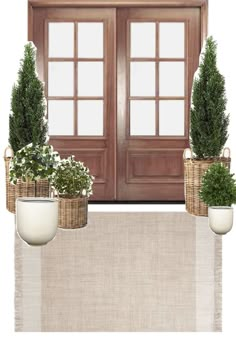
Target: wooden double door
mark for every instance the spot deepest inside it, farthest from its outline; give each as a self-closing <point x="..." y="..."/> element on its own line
<point x="118" y="85"/>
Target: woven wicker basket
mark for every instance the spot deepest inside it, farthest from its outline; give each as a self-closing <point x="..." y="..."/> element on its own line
<point x="39" y="188"/>
<point x="193" y="172"/>
<point x="73" y="213"/>
<point x="10" y="188"/>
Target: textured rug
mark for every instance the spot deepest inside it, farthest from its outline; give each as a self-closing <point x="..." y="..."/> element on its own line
<point x="123" y="272"/>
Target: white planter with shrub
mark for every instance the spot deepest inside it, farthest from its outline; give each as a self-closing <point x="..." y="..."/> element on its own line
<point x="218" y="191"/>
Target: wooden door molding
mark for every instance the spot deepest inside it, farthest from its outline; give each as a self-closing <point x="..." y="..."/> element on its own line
<point x="117" y="3"/>
<point x="202" y="4"/>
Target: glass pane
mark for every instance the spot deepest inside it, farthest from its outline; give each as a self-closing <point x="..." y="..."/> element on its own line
<point x="61" y="40"/>
<point x="61" y="117"/>
<point x="171" y="79"/>
<point x="90" y="117"/>
<point x="172" y="39"/>
<point x="60" y="79"/>
<point x="90" y="40"/>
<point x="143" y="40"/>
<point x="142" y="79"/>
<point x="90" y="79"/>
<point x="142" y="118"/>
<point x="171" y="117"/>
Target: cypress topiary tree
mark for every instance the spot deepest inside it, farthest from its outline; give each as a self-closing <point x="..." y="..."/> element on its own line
<point x="209" y="122"/>
<point x="27" y="123"/>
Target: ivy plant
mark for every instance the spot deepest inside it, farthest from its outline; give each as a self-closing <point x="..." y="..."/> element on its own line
<point x="33" y="162"/>
<point x="71" y="179"/>
<point x="218" y="186"/>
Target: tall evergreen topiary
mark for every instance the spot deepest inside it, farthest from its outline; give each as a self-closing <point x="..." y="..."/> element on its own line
<point x="209" y="122"/>
<point x="27" y="122"/>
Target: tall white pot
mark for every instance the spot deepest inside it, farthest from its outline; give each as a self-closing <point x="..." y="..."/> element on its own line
<point x="36" y="219"/>
<point x="220" y="219"/>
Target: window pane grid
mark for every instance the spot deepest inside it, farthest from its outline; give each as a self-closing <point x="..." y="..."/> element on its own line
<point x="176" y="94"/>
<point x="58" y="95"/>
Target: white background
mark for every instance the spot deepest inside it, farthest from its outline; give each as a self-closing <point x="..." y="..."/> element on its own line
<point x="13" y="36"/>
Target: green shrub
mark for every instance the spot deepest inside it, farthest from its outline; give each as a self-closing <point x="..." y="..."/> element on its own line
<point x="218" y="186"/>
<point x="72" y="179"/>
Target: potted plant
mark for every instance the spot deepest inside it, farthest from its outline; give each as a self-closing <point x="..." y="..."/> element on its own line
<point x="27" y="123"/>
<point x="73" y="184"/>
<point x="208" y="127"/>
<point x="31" y="168"/>
<point x="218" y="191"/>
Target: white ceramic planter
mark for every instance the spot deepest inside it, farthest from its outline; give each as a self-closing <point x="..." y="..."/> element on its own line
<point x="36" y="219"/>
<point x="220" y="219"/>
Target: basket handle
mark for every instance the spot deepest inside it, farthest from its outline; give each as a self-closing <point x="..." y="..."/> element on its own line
<point x="8" y="148"/>
<point x="187" y="151"/>
<point x="226" y="152"/>
<point x="54" y="193"/>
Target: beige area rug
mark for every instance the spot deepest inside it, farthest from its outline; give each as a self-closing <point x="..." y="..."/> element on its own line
<point x="123" y="272"/>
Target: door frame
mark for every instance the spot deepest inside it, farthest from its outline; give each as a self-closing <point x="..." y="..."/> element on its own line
<point x="202" y="5"/>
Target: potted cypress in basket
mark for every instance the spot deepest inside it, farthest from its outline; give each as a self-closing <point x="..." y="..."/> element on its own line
<point x="72" y="183"/>
<point x="208" y="127"/>
<point x="27" y="122"/>
<point x="218" y="191"/>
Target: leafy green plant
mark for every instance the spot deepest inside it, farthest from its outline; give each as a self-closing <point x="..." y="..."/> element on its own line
<point x="33" y="163"/>
<point x="218" y="186"/>
<point x="209" y="122"/>
<point x="27" y="123"/>
<point x="72" y="179"/>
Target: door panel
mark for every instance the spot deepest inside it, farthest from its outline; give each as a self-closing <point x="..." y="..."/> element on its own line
<point x="76" y="59"/>
<point x="146" y="166"/>
<point x="157" y="55"/>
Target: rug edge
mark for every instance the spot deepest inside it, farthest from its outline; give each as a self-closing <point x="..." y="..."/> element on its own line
<point x="18" y="285"/>
<point x="218" y="284"/>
